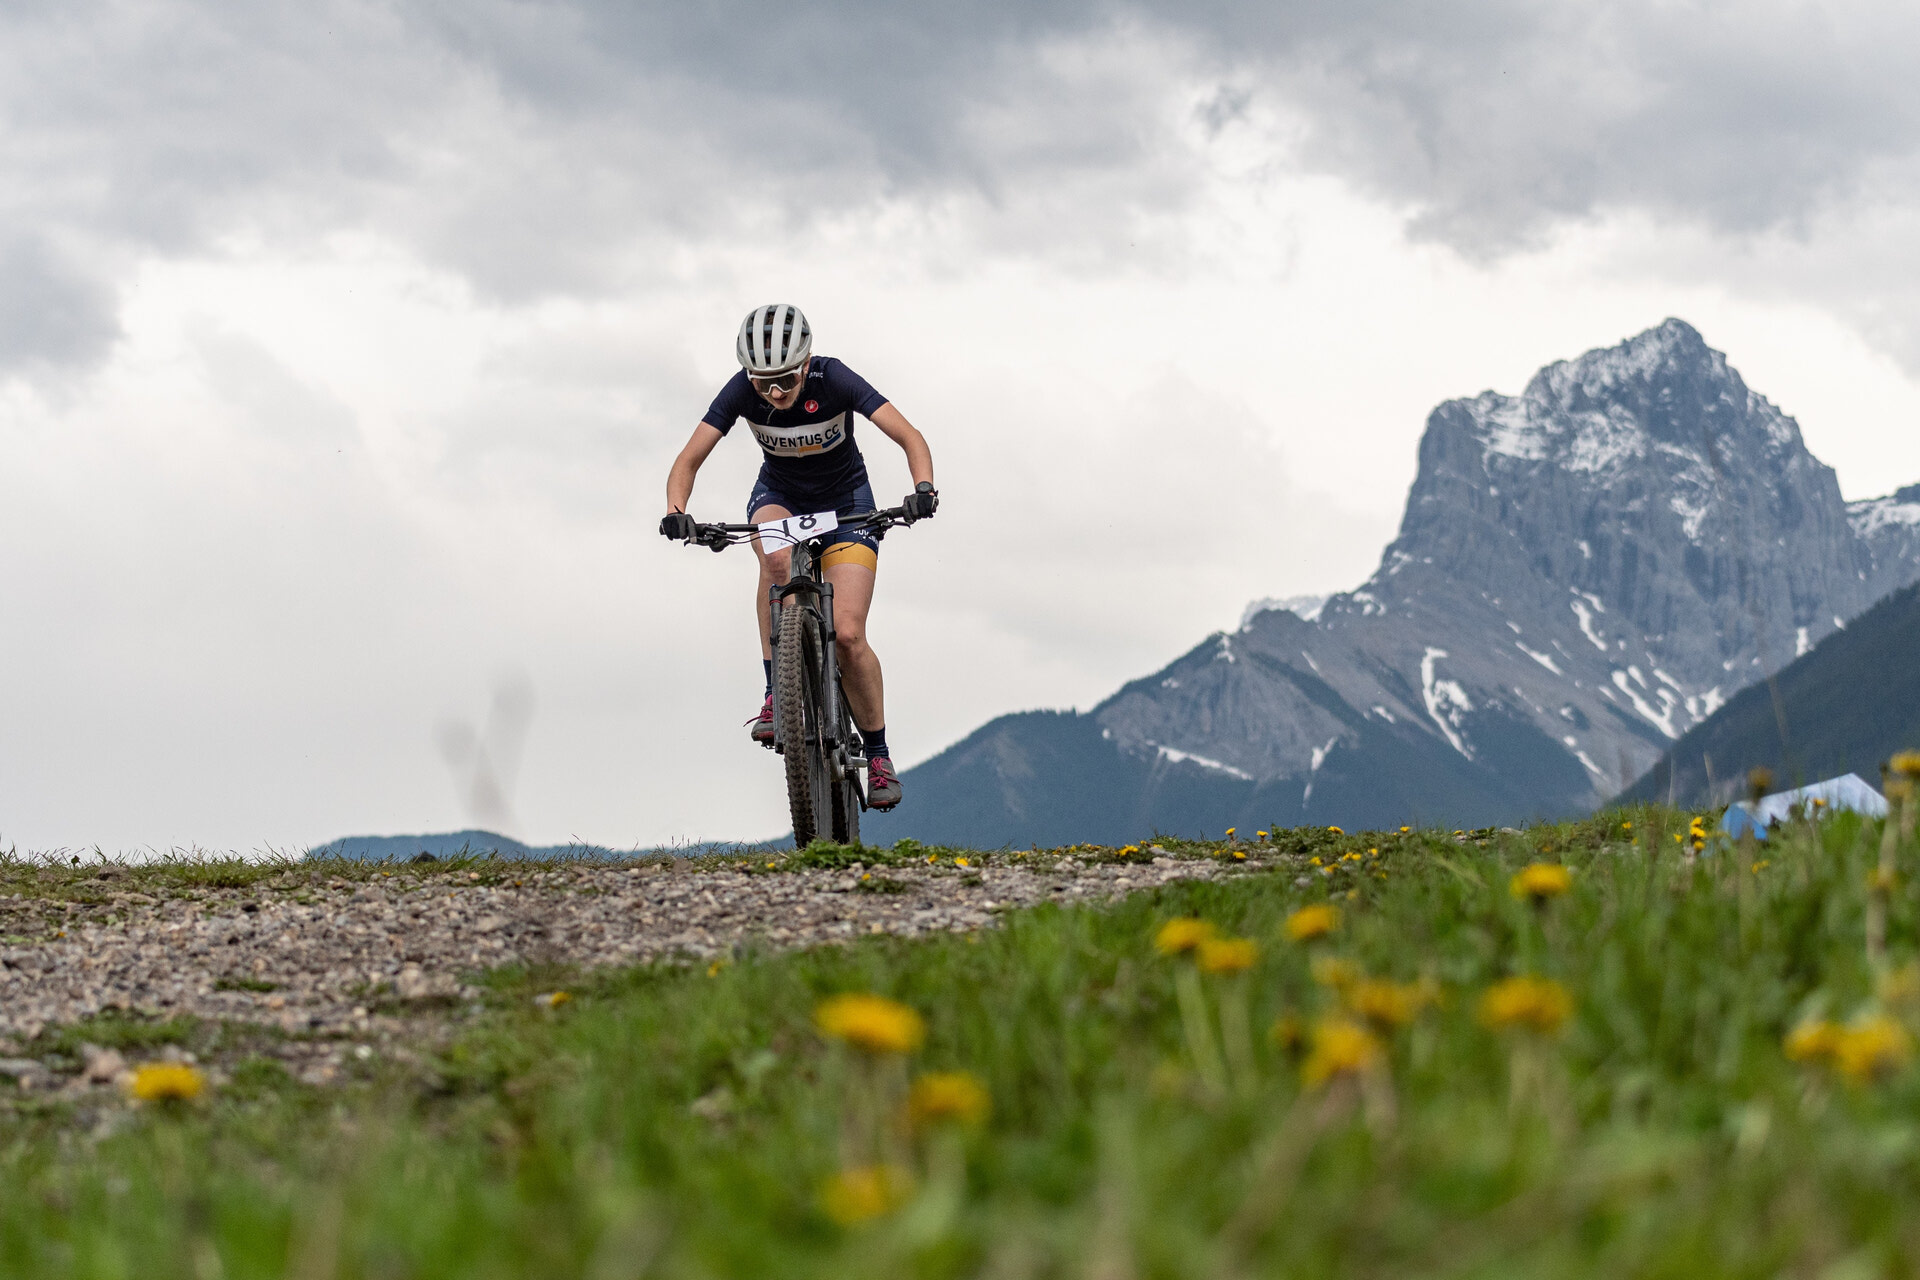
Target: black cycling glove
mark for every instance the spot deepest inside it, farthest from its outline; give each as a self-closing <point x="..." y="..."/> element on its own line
<point x="922" y="502"/>
<point x="677" y="525"/>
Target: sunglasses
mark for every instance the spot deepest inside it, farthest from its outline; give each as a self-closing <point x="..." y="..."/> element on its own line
<point x="778" y="382"/>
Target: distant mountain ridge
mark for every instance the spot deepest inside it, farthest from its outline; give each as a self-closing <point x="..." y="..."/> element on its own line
<point x="448" y="844"/>
<point x="1583" y="572"/>
<point x="1846" y="707"/>
<point x="491" y="844"/>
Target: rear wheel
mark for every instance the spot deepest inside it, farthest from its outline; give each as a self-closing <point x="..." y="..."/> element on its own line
<point x="796" y="692"/>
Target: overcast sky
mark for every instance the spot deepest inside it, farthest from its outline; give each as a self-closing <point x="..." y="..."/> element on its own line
<point x="344" y="347"/>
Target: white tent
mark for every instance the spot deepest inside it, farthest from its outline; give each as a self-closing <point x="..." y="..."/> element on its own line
<point x="1831" y="796"/>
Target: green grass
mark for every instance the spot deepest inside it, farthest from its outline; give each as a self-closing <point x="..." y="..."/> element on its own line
<point x="669" y="1122"/>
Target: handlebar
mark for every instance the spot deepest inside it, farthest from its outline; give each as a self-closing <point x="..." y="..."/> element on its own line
<point x="718" y="537"/>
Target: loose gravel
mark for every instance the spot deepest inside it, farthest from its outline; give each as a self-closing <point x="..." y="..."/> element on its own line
<point x="329" y="962"/>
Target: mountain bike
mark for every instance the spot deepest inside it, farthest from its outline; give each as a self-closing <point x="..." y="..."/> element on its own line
<point x="812" y="728"/>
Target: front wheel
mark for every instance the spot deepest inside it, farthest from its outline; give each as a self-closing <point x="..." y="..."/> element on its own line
<point x="797" y="702"/>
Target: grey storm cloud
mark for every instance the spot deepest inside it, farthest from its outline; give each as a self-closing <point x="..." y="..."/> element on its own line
<point x="522" y="143"/>
<point x="51" y="314"/>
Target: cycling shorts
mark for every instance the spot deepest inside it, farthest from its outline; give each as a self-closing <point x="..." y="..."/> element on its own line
<point x="846" y="546"/>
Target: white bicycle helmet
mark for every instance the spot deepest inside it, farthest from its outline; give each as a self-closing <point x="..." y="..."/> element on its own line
<point x="773" y="339"/>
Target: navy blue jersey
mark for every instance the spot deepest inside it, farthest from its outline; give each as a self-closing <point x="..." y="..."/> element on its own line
<point x="810" y="453"/>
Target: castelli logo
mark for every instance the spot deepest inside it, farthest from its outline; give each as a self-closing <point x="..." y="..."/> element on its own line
<point x="813" y="406"/>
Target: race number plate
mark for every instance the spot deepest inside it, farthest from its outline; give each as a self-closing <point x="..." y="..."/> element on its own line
<point x="795" y="529"/>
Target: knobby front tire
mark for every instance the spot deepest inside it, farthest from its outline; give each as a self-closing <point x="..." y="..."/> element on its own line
<point x="798" y="695"/>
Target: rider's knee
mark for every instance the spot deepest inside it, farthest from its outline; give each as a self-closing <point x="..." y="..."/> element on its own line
<point x="776" y="566"/>
<point x="850" y="636"/>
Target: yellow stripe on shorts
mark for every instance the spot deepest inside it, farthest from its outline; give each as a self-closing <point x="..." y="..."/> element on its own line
<point x="851" y="553"/>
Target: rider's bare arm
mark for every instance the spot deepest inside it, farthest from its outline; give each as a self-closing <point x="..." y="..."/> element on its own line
<point x="687" y="465"/>
<point x="894" y="426"/>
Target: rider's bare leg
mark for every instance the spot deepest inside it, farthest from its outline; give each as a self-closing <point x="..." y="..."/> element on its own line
<point x="859" y="667"/>
<point x="775" y="567"/>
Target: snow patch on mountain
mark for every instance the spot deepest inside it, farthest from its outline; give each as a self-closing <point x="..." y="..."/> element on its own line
<point x="1306" y="608"/>
<point x="1582" y="612"/>
<point x="1876" y="515"/>
<point x="1545" y="660"/>
<point x="1506" y="427"/>
<point x="1175" y="756"/>
<point x="1446" y="701"/>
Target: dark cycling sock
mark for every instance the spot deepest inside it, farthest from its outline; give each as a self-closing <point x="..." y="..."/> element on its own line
<point x="876" y="743"/>
<point x="768" y="664"/>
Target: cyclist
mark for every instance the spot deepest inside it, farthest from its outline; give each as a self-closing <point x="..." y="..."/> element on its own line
<point x="801" y="408"/>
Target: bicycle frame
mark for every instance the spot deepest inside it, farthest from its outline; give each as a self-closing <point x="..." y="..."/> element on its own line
<point x="809" y="584"/>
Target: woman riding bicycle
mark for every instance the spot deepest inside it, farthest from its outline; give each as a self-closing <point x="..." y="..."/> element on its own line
<point x="801" y="408"/>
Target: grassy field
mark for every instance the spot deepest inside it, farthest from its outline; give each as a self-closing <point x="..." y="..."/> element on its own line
<point x="1708" y="1076"/>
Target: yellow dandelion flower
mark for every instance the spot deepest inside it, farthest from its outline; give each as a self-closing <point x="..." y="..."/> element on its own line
<point x="961" y="862"/>
<point x="1906" y="763"/>
<point x="1314" y="921"/>
<point x="1872" y="1049"/>
<point x="1132" y="848"/>
<point x="1226" y="955"/>
<point x="1540" y="881"/>
<point x="1230" y="831"/>
<point x="166" y="1082"/>
<point x="1350" y="857"/>
<point x="1316" y="861"/>
<point x="940" y="1097"/>
<point x="1533" y="1004"/>
<point x="1181" y="935"/>
<point x="554" y="999"/>
<point x="1239" y="855"/>
<point x="1626" y="826"/>
<point x="872" y="1023"/>
<point x="1813" y="1041"/>
<point x="1260" y="835"/>
<point x="1386" y="1004"/>
<point x="1337" y="831"/>
<point x="1340" y="1047"/>
<point x="853" y="1196"/>
<point x="1404" y="830"/>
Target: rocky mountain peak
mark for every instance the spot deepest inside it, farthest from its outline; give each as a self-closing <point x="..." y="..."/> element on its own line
<point x="1584" y="572"/>
<point x="1662" y="398"/>
<point x="1602" y="559"/>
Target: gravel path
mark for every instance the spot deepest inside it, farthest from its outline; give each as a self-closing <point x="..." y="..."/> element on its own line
<point x="347" y="959"/>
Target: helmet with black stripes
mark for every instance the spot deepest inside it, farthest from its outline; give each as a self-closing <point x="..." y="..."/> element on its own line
<point x="773" y="339"/>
